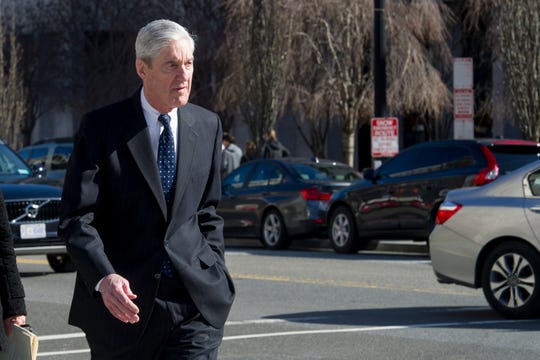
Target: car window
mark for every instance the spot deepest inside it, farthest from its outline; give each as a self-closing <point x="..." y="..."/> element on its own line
<point x="412" y="162"/>
<point x="426" y="160"/>
<point x="399" y="163"/>
<point x="458" y="157"/>
<point x="511" y="157"/>
<point x="237" y="178"/>
<point x="534" y="183"/>
<point x="37" y="156"/>
<point x="25" y="153"/>
<point x="325" y="172"/>
<point x="266" y="174"/>
<point x="342" y="173"/>
<point x="311" y="172"/>
<point x="60" y="157"/>
<point x="10" y="164"/>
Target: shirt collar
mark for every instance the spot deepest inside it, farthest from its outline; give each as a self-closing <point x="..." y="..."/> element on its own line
<point x="150" y="113"/>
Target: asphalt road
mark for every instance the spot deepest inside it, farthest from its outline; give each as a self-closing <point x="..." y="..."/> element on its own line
<point x="310" y="303"/>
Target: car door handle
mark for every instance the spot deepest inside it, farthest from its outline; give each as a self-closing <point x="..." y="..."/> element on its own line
<point x="535" y="209"/>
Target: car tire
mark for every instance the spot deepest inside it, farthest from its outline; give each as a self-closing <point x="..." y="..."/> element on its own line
<point x="273" y="231"/>
<point x="342" y="232"/>
<point x="511" y="280"/>
<point x="61" y="263"/>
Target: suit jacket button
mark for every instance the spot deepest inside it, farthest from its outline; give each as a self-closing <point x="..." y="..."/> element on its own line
<point x="157" y="276"/>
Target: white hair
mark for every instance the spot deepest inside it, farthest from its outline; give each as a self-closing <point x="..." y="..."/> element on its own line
<point x="156" y="35"/>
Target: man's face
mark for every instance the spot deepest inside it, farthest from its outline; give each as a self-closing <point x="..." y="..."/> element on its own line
<point x="167" y="80"/>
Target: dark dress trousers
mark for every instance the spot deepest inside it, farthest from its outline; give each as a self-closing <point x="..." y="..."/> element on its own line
<point x="115" y="219"/>
<point x="11" y="289"/>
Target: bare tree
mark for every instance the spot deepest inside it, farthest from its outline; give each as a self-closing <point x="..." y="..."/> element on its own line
<point x="81" y="53"/>
<point x="256" y="50"/>
<point x="336" y="41"/>
<point x="13" y="97"/>
<point x="510" y="33"/>
<point x="474" y="36"/>
<point x="329" y="76"/>
<point x="309" y="98"/>
<point x="419" y="59"/>
<point x="311" y="106"/>
<point x="332" y="67"/>
<point x="92" y="42"/>
<point x="328" y="66"/>
<point x="338" y="65"/>
<point x="518" y="34"/>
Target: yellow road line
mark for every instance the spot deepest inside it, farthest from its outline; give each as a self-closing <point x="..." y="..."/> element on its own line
<point x="297" y="280"/>
<point x="31" y="261"/>
<point x="349" y="284"/>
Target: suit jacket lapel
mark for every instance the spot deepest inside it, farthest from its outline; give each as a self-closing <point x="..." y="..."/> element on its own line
<point x="187" y="136"/>
<point x="138" y="142"/>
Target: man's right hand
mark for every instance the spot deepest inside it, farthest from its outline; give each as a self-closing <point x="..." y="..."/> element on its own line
<point x="117" y="297"/>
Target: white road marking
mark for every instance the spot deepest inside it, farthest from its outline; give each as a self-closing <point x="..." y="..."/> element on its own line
<point x="60" y="336"/>
<point x="290" y="333"/>
<point x="66" y="352"/>
<point x="369" y="329"/>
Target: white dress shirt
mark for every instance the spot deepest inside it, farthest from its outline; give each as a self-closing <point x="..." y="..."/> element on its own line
<point x="155" y="127"/>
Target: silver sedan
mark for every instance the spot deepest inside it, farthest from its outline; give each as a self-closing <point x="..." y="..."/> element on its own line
<point x="488" y="237"/>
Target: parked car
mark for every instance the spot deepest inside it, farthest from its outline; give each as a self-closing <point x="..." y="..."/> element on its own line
<point x="33" y="205"/>
<point x="53" y="155"/>
<point x="277" y="200"/>
<point x="489" y="237"/>
<point x="400" y="199"/>
<point x="511" y="153"/>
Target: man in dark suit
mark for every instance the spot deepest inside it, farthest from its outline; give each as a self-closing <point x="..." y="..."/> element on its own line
<point x="12" y="309"/>
<point x="139" y="214"/>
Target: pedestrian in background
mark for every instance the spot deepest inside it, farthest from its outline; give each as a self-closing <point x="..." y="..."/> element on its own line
<point x="232" y="155"/>
<point x="139" y="214"/>
<point x="272" y="148"/>
<point x="13" y="308"/>
<point x="250" y="152"/>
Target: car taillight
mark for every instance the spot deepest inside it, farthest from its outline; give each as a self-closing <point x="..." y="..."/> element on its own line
<point x="489" y="173"/>
<point x="314" y="194"/>
<point x="446" y="211"/>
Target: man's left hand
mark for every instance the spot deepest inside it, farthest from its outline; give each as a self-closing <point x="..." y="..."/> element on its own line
<point x="17" y="319"/>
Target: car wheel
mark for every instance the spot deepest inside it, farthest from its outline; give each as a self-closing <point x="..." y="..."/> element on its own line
<point x="342" y="232"/>
<point x="511" y="280"/>
<point x="61" y="263"/>
<point x="273" y="232"/>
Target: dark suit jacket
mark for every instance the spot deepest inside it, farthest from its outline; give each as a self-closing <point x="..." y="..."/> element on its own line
<point x="11" y="289"/>
<point x="115" y="219"/>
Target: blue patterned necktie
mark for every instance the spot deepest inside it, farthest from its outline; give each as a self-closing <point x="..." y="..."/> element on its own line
<point x="166" y="156"/>
<point x="167" y="171"/>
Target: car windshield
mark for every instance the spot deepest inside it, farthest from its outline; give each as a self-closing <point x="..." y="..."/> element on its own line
<point x="11" y="165"/>
<point x="512" y="157"/>
<point x="325" y="172"/>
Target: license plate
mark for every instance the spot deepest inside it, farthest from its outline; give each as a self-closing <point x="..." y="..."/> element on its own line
<point x="33" y="231"/>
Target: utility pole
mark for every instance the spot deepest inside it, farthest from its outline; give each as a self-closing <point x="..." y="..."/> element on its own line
<point x="379" y="60"/>
<point x="379" y="80"/>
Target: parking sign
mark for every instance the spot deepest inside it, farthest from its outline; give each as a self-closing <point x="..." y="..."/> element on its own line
<point x="384" y="137"/>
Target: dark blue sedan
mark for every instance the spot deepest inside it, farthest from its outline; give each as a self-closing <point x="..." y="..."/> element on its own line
<point x="278" y="200"/>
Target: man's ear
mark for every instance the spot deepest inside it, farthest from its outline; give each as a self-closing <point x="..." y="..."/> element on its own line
<point x="141" y="67"/>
